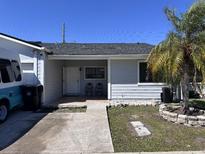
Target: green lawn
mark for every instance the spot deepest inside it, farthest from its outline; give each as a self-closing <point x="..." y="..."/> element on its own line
<point x="166" y="136"/>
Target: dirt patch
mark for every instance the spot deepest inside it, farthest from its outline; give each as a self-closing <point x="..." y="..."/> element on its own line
<point x="200" y="140"/>
<point x="134" y="117"/>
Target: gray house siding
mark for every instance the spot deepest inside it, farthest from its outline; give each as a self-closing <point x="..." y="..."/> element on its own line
<point x="124" y="72"/>
<point x="125" y="82"/>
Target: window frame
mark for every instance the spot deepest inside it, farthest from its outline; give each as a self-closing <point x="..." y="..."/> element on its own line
<point x="94" y="67"/>
<point x="11" y="76"/>
<point x="15" y="78"/>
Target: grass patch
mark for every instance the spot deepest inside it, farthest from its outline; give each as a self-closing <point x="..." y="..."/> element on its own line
<point x="166" y="136"/>
<point x="63" y="110"/>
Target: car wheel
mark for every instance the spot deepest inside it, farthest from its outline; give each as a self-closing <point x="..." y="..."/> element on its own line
<point x="3" y="112"/>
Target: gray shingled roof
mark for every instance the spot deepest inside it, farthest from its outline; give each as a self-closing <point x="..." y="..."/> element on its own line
<point x="98" y="48"/>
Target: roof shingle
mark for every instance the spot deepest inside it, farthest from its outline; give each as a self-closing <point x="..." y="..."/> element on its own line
<point x="98" y="48"/>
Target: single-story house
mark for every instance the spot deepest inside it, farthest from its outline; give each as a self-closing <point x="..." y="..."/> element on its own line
<point x="107" y="70"/>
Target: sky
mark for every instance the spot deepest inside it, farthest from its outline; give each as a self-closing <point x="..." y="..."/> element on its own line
<point x="89" y="21"/>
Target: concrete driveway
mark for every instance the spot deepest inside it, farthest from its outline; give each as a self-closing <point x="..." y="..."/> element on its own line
<point x="86" y="132"/>
<point x="17" y="124"/>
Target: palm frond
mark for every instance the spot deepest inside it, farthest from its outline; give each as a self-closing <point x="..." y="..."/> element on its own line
<point x="194" y="19"/>
<point x="175" y="20"/>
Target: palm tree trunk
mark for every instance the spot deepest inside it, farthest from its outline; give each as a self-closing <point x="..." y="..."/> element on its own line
<point x="185" y="86"/>
<point x="197" y="88"/>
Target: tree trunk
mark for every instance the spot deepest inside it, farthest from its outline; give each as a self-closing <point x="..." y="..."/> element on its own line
<point x="197" y="88"/>
<point x="185" y="86"/>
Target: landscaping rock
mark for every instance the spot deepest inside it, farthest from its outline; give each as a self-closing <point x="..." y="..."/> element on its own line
<point x="192" y="120"/>
<point x="201" y="120"/>
<point x="201" y="111"/>
<point x="162" y="107"/>
<point x="182" y="119"/>
<point x="172" y="116"/>
<point x="142" y="131"/>
<point x="165" y="114"/>
<point x="137" y="124"/>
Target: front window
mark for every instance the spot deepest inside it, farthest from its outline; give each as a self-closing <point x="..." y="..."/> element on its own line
<point x="94" y="73"/>
<point x="6" y="72"/>
<point x="145" y="74"/>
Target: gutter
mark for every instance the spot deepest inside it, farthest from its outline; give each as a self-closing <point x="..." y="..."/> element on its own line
<point x="46" y="50"/>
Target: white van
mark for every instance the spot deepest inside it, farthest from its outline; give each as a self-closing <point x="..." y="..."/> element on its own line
<point x="10" y="82"/>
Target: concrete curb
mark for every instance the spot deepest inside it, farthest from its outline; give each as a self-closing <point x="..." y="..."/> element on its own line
<point x="169" y="152"/>
<point x="74" y="152"/>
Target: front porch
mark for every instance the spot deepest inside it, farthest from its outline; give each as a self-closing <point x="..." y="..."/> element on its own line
<point x="76" y="80"/>
<point x="85" y="78"/>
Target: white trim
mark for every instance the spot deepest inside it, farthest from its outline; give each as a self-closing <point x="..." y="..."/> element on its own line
<point x="109" y="79"/>
<point x="151" y="84"/>
<point x="95" y="67"/>
<point x="24" y="43"/>
<point x="97" y="57"/>
<point x="35" y="64"/>
<point x="28" y="61"/>
<point x="28" y="71"/>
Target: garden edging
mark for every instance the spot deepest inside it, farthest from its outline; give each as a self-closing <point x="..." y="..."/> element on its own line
<point x="197" y="121"/>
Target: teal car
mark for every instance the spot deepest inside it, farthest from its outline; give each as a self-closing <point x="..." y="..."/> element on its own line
<point x="10" y="86"/>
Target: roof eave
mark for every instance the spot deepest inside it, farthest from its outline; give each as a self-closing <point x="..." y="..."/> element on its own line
<point x="97" y="57"/>
<point x="24" y="43"/>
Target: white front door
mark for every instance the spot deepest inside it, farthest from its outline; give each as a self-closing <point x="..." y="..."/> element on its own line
<point x="71" y="85"/>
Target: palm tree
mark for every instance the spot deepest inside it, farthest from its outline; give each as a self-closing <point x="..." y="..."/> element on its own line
<point x="182" y="53"/>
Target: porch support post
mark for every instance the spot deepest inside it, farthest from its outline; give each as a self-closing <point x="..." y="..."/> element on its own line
<point x="109" y="79"/>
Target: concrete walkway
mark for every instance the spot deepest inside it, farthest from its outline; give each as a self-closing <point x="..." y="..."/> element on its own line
<point x="68" y="133"/>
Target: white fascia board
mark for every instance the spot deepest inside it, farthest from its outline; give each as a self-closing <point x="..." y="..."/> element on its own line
<point x="96" y="57"/>
<point x="23" y="43"/>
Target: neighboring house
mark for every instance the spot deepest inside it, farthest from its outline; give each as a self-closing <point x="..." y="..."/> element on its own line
<point x="29" y="55"/>
<point x="68" y="68"/>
